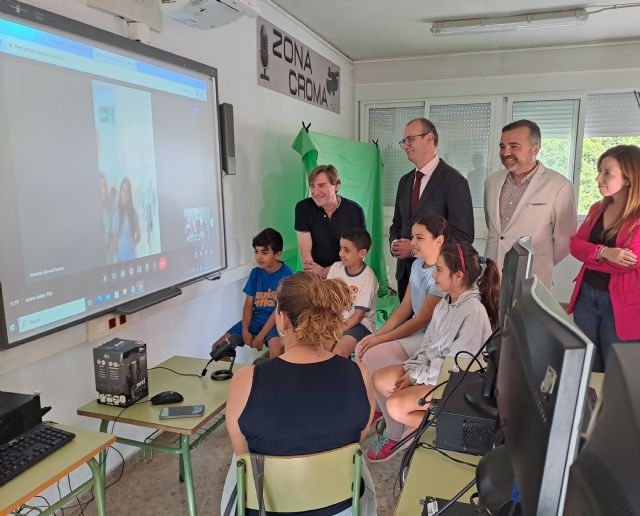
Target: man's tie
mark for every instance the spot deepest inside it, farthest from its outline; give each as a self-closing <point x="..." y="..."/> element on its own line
<point x="415" y="194"/>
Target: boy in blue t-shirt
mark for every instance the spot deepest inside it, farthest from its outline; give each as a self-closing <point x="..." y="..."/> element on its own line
<point x="258" y="325"/>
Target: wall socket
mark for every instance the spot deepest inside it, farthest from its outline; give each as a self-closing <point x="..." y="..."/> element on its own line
<point x="104" y="325"/>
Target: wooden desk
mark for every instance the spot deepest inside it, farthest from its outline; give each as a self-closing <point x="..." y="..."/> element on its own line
<point x="195" y="390"/>
<point x="81" y="450"/>
<point x="432" y="474"/>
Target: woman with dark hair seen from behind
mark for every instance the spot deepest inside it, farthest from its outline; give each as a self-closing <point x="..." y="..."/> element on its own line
<point x="462" y="321"/>
<point x="125" y="227"/>
<point x="308" y="400"/>
<point x="606" y="298"/>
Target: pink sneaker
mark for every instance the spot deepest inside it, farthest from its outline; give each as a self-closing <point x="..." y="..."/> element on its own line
<point x="377" y="416"/>
<point x="384" y="449"/>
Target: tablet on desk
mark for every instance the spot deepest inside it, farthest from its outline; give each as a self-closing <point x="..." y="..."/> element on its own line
<point x="179" y="412"/>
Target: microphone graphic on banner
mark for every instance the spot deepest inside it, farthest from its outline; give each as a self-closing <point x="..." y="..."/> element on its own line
<point x="226" y="349"/>
<point x="264" y="52"/>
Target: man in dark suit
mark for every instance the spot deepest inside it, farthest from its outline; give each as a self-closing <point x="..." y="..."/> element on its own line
<point x="432" y="187"/>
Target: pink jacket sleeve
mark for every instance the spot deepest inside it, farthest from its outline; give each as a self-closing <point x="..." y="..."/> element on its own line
<point x="586" y="252"/>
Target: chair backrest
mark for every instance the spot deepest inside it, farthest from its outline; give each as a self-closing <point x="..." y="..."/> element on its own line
<point x="303" y="482"/>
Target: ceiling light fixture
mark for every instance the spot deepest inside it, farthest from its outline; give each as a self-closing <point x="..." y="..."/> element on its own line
<point x="507" y="23"/>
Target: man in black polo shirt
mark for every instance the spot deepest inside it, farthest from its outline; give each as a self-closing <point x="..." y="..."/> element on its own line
<point x="321" y="219"/>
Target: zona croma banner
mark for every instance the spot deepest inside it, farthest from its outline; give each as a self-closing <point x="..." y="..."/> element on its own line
<point x="289" y="67"/>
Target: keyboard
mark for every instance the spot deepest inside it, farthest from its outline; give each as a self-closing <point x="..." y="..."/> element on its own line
<point x="28" y="448"/>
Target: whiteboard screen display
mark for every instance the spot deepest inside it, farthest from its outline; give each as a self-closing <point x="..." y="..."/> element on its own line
<point x="110" y="183"/>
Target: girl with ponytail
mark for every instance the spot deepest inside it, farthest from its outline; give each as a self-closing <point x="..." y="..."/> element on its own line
<point x="462" y="321"/>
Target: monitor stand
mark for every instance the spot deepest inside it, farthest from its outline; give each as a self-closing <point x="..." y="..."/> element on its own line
<point x="495" y="481"/>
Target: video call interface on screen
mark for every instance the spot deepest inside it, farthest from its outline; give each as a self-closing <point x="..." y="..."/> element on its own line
<point x="110" y="182"/>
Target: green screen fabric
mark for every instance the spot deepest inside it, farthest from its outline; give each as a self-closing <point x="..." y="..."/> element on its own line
<point x="360" y="168"/>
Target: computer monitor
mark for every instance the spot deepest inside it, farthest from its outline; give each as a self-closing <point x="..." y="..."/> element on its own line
<point x="545" y="363"/>
<point x="604" y="478"/>
<point x="516" y="268"/>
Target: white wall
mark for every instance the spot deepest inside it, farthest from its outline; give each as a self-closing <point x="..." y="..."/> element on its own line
<point x="530" y="72"/>
<point x="60" y="365"/>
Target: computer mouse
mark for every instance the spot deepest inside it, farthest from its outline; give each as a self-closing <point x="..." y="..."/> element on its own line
<point x="166" y="397"/>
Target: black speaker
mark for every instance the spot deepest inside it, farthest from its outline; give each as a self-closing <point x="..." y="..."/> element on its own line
<point x="227" y="139"/>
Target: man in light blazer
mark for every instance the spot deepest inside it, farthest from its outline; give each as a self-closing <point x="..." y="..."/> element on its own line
<point x="526" y="198"/>
<point x="432" y="187"/>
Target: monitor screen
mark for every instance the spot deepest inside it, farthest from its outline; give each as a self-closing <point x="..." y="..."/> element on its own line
<point x="604" y="479"/>
<point x="110" y="183"/>
<point x="515" y="269"/>
<point x="545" y="363"/>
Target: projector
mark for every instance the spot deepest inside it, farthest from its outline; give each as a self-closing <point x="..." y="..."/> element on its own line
<point x="208" y="14"/>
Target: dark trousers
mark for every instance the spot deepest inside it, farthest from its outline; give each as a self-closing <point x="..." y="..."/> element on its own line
<point x="403" y="283"/>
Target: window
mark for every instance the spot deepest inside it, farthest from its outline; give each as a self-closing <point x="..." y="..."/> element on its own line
<point x="463" y="134"/>
<point x="611" y="119"/>
<point x="558" y="121"/>
<point x="469" y="131"/>
<point x="386" y="125"/>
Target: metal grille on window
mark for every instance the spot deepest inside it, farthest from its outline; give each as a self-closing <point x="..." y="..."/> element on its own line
<point x="463" y="133"/>
<point x="386" y="125"/>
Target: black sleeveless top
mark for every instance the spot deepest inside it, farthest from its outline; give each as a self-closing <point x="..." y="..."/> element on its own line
<point x="597" y="279"/>
<point x="297" y="409"/>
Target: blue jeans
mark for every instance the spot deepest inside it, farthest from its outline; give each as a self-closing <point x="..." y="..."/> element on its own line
<point x="593" y="313"/>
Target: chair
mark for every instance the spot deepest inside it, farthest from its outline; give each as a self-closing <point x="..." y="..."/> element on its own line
<point x="302" y="483"/>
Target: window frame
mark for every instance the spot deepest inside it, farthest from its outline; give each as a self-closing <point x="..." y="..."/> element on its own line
<point x="502" y="114"/>
<point x="478" y="213"/>
<point x="363" y="127"/>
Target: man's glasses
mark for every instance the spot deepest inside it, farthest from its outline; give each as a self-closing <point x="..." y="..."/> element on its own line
<point x="409" y="139"/>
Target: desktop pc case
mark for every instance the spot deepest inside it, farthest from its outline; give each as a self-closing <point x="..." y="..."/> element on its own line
<point x="121" y="372"/>
<point x="18" y="413"/>
<point x="460" y="426"/>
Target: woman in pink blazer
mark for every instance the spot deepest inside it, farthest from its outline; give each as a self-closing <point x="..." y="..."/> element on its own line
<point x="606" y="299"/>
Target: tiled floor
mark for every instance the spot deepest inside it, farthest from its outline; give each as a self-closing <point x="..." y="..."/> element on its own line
<point x="153" y="489"/>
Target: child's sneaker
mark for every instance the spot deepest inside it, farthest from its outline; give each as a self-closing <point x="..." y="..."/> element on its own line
<point x="384" y="449"/>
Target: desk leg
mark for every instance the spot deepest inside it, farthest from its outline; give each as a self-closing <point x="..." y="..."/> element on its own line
<point x="98" y="486"/>
<point x="185" y="458"/>
<point x="102" y="458"/>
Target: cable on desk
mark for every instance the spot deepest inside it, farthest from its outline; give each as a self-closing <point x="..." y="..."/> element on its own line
<point x="473" y="359"/>
<point x="120" y="413"/>
<point x="424" y="425"/>
<point x="176" y="372"/>
<point x="441" y="452"/>
<point x="456" y="498"/>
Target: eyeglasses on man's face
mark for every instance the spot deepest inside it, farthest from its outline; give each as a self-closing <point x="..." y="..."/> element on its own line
<point x="408" y="140"/>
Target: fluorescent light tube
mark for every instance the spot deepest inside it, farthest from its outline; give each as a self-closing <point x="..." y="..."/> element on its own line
<point x="507" y="23"/>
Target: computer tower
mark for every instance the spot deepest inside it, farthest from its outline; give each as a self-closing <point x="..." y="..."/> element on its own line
<point x="18" y="413"/>
<point x="461" y="427"/>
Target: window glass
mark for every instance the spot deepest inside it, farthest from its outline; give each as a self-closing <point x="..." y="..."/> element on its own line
<point x="386" y="125"/>
<point x="611" y="119"/>
<point x="463" y="134"/>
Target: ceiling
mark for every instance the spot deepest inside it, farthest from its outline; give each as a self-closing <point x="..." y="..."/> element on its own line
<point x="374" y="29"/>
